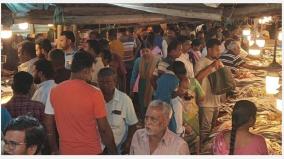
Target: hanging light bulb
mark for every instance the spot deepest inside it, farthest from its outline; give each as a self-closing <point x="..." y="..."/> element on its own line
<point x="280" y="36"/>
<point x="251" y="42"/>
<point x="272" y="83"/>
<point x="50" y="25"/>
<point x="260" y="42"/>
<point x="246" y="32"/>
<point x="6" y="34"/>
<point x="254" y="50"/>
<point x="23" y="26"/>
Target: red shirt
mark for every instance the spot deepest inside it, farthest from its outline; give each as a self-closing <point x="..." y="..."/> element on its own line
<point x="76" y="106"/>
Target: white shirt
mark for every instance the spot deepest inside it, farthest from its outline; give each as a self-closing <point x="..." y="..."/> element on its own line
<point x="120" y="115"/>
<point x="68" y="59"/>
<point x="188" y="65"/>
<point x="43" y="91"/>
<point x="165" y="48"/>
<point x="96" y="68"/>
<point x="178" y="107"/>
<point x="210" y="99"/>
<point x="28" y="66"/>
<point x="204" y="52"/>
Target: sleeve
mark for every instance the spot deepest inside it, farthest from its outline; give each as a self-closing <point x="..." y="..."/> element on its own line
<point x="48" y="106"/>
<point x="198" y="89"/>
<point x="133" y="143"/>
<point x="131" y="117"/>
<point x="177" y="107"/>
<point x="164" y="48"/>
<point x="238" y="61"/>
<point x="99" y="105"/>
<point x="198" y="67"/>
<point x="135" y="71"/>
<point x="183" y="149"/>
<point x="38" y="96"/>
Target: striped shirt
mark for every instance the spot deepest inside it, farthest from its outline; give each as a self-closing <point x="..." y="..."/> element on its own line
<point x="231" y="60"/>
<point x="128" y="46"/>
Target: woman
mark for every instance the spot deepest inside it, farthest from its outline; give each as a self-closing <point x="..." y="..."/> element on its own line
<point x="144" y="67"/>
<point x="239" y="140"/>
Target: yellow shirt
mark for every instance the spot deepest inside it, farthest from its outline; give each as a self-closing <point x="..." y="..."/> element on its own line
<point x="116" y="47"/>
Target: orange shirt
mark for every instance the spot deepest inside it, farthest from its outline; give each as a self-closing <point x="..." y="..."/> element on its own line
<point x="76" y="106"/>
<point x="116" y="47"/>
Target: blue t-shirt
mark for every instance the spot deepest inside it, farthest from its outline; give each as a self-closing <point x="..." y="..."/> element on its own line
<point x="5" y="118"/>
<point x="167" y="83"/>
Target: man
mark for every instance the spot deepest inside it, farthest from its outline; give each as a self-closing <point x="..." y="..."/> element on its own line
<point x="116" y="47"/>
<point x="159" y="40"/>
<point x="24" y="136"/>
<point x="120" y="110"/>
<point x="194" y="52"/>
<point x="233" y="60"/>
<point x="42" y="48"/>
<point x="128" y="45"/>
<point x="79" y="112"/>
<point x="94" y="35"/>
<point x="209" y="107"/>
<point x="67" y="43"/>
<point x="20" y="103"/>
<point x="156" y="138"/>
<point x="171" y="34"/>
<point x="57" y="59"/>
<point x="27" y="56"/>
<point x="174" y="52"/>
<point x="43" y="77"/>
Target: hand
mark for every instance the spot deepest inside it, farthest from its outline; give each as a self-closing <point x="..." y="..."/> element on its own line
<point x="217" y="64"/>
<point x="125" y="147"/>
<point x="188" y="129"/>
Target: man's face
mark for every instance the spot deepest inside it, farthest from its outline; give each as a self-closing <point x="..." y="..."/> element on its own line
<point x="64" y="43"/>
<point x="214" y="52"/>
<point x="155" y="121"/>
<point x="186" y="46"/>
<point x="171" y="34"/>
<point x="21" y="55"/>
<point x="237" y="50"/>
<point x="177" y="52"/>
<point x="107" y="84"/>
<point x="15" y="143"/>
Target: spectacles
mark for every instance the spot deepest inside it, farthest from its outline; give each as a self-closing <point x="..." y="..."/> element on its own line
<point x="13" y="144"/>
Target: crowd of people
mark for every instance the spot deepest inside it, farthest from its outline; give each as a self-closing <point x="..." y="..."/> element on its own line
<point x="137" y="92"/>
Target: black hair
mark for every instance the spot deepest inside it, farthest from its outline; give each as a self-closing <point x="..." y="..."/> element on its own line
<point x="29" y="48"/>
<point x="107" y="55"/>
<point x="94" y="32"/>
<point x="243" y="111"/>
<point x="178" y="68"/>
<point x="112" y="33"/>
<point x="173" y="45"/>
<point x="81" y="60"/>
<point x="103" y="44"/>
<point x="196" y="42"/>
<point x="157" y="28"/>
<point x="94" y="44"/>
<point x="106" y="72"/>
<point x="45" y="67"/>
<point x="57" y="56"/>
<point x="35" y="133"/>
<point x="182" y="39"/>
<point x="149" y="42"/>
<point x="212" y="42"/>
<point x="22" y="82"/>
<point x="45" y="44"/>
<point x="69" y="35"/>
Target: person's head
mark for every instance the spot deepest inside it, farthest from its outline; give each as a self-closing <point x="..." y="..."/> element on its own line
<point x="196" y="44"/>
<point x="57" y="58"/>
<point x="213" y="48"/>
<point x="157" y="117"/>
<point x="235" y="47"/>
<point x="43" y="71"/>
<point x="82" y="65"/>
<point x="112" y="34"/>
<point x="149" y="42"/>
<point x="171" y="32"/>
<point x="43" y="46"/>
<point x="200" y="35"/>
<point x="24" y="135"/>
<point x="130" y="31"/>
<point x="186" y="44"/>
<point x="93" y="35"/>
<point x="104" y="44"/>
<point x="22" y="82"/>
<point x="93" y="47"/>
<point x="157" y="29"/>
<point x="106" y="57"/>
<point x="174" y="49"/>
<point x="67" y="39"/>
<point x="26" y="51"/>
<point x="227" y="42"/>
<point x="179" y="69"/>
<point x="243" y="116"/>
<point x="107" y="80"/>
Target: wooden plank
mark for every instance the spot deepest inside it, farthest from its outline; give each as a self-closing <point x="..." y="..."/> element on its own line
<point x="175" y="12"/>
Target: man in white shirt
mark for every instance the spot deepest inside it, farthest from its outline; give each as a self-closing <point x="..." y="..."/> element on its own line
<point x="27" y="56"/>
<point x="184" y="57"/>
<point x="43" y="76"/>
<point x="67" y="43"/>
<point x="209" y="107"/>
<point x="120" y="110"/>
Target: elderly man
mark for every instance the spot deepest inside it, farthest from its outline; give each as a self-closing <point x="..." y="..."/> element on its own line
<point x="120" y="110"/>
<point x="156" y="138"/>
<point x="24" y="136"/>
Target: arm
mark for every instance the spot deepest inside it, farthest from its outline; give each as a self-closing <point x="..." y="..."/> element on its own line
<point x="165" y="48"/>
<point x="204" y="73"/>
<point x="252" y="67"/>
<point x="106" y="135"/>
<point x="49" y="124"/>
<point x="126" y="144"/>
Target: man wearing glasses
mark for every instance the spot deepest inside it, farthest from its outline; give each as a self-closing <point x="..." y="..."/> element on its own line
<point x="24" y="136"/>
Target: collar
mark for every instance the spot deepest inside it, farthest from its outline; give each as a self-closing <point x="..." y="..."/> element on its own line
<point x="164" y="140"/>
<point x="116" y="95"/>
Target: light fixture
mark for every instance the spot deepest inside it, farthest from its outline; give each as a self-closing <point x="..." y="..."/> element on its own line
<point x="279" y="104"/>
<point x="260" y="42"/>
<point x="246" y="32"/>
<point x="251" y="42"/>
<point x="50" y="25"/>
<point x="23" y="26"/>
<point x="280" y="36"/>
<point x="6" y="34"/>
<point x="254" y="50"/>
<point x="272" y="83"/>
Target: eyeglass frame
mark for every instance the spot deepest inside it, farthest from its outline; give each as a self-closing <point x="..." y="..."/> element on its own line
<point x="13" y="144"/>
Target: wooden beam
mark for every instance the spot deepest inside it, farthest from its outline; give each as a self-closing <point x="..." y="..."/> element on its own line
<point x="175" y="12"/>
<point x="253" y="10"/>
